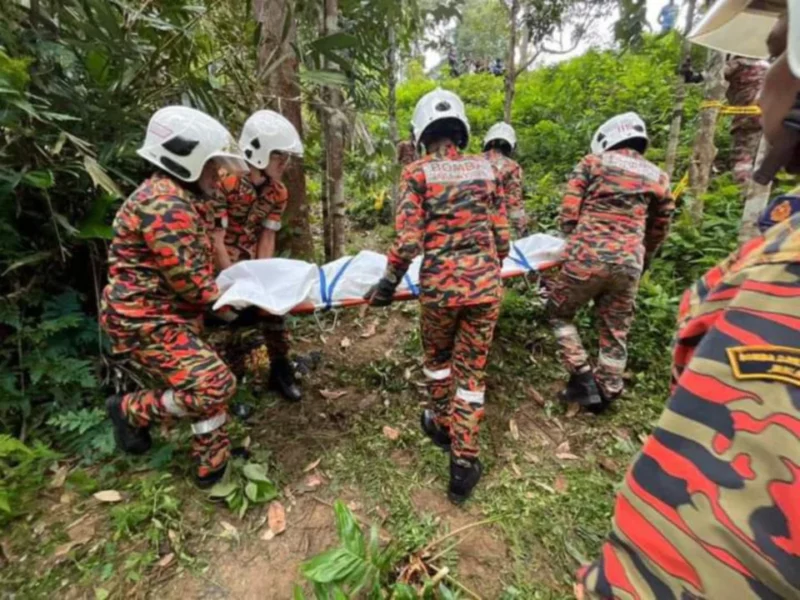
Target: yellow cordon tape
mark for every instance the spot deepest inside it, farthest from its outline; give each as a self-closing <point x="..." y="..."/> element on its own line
<point x="731" y="110"/>
<point x="723" y="110"/>
<point x="681" y="187"/>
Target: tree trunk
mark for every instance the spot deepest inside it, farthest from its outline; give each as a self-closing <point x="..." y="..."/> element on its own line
<point x="511" y="69"/>
<point x="282" y="82"/>
<point x="680" y="97"/>
<point x="704" y="151"/>
<point x="391" y="66"/>
<point x="324" y="195"/>
<point x="335" y="127"/>
<point x="755" y="200"/>
<point x="525" y="41"/>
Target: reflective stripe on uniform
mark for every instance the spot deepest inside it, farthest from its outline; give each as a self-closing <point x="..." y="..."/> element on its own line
<point x="470" y="396"/>
<point x="271" y="225"/>
<point x="566" y="330"/>
<point x="172" y="407"/>
<point x="618" y="364"/>
<point x="437" y="375"/>
<point x="209" y="425"/>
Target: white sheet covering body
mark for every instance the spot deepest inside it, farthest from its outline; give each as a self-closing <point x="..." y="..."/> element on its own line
<point x="277" y="285"/>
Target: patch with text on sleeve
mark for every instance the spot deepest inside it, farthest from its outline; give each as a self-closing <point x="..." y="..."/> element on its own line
<point x="776" y="363"/>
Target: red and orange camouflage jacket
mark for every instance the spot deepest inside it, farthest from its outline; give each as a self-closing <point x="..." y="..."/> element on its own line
<point x="709" y="507"/>
<point x="511" y="179"/>
<point x="451" y="210"/>
<point x="616" y="209"/>
<point x="695" y="315"/>
<point x="159" y="264"/>
<point x="245" y="211"/>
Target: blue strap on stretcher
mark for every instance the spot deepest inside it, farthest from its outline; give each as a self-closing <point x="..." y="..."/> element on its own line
<point x="326" y="291"/>
<point x="520" y="259"/>
<point x="414" y="288"/>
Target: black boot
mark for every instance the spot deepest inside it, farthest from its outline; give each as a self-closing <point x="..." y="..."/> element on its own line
<point x="281" y="379"/>
<point x="211" y="479"/>
<point x="130" y="439"/>
<point x="433" y="430"/>
<point x="464" y="476"/>
<point x="608" y="400"/>
<point x="582" y="388"/>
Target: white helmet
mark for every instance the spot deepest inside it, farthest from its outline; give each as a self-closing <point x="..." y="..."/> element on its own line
<point x="436" y="106"/>
<point x="501" y="131"/>
<point x="181" y="140"/>
<point x="265" y="132"/>
<point x="627" y="126"/>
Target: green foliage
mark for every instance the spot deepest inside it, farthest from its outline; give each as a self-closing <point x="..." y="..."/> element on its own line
<point x="359" y="567"/>
<point x="243" y="485"/>
<point x="86" y="433"/>
<point x="43" y="358"/>
<point x="482" y="33"/>
<point x="22" y="473"/>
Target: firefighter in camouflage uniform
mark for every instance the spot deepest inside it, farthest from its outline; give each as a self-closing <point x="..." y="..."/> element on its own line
<point x="161" y="281"/>
<point x="615" y="214"/>
<point x="248" y="217"/>
<point x="709" y="508"/>
<point x="499" y="145"/>
<point x="451" y="210"/>
<point x="744" y="76"/>
<point x="691" y="329"/>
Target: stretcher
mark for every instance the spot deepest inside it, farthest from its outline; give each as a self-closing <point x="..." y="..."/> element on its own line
<point x="281" y="286"/>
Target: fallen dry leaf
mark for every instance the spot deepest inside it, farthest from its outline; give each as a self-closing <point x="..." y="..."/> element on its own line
<point x="370" y="329"/>
<point x="166" y="560"/>
<point x="345" y="343"/>
<point x="59" y="477"/>
<point x="608" y="464"/>
<point x="561" y="484"/>
<point x="563" y="446"/>
<point x="536" y="396"/>
<point x="67" y="497"/>
<point x="267" y="535"/>
<point x="174" y="537"/>
<point x="532" y="458"/>
<point x="64" y="549"/>
<point x="313" y="465"/>
<point x="567" y="456"/>
<point x="544" y="486"/>
<point x="512" y="427"/>
<point x="276" y="518"/>
<point x="516" y="470"/>
<point x="108" y="496"/>
<point x="229" y="529"/>
<point x="573" y="409"/>
<point x="309" y="484"/>
<point x="354" y="506"/>
<point x="246" y="442"/>
<point x="332" y="394"/>
<point x="391" y="433"/>
<point x="362" y="311"/>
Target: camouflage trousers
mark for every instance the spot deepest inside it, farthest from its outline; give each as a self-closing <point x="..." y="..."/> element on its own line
<point x="613" y="289"/>
<point x="198" y="386"/>
<point x="456" y="343"/>
<point x="746" y="133"/>
<point x="248" y="351"/>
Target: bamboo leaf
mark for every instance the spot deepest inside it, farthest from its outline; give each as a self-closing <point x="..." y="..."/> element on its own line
<point x="99" y="177"/>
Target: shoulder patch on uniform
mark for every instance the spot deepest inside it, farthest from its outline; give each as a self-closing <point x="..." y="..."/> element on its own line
<point x="776" y="363"/>
<point x="631" y="164"/>
<point x="457" y="171"/>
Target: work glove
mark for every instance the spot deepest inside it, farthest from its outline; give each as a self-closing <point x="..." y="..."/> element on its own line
<point x="381" y="294"/>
